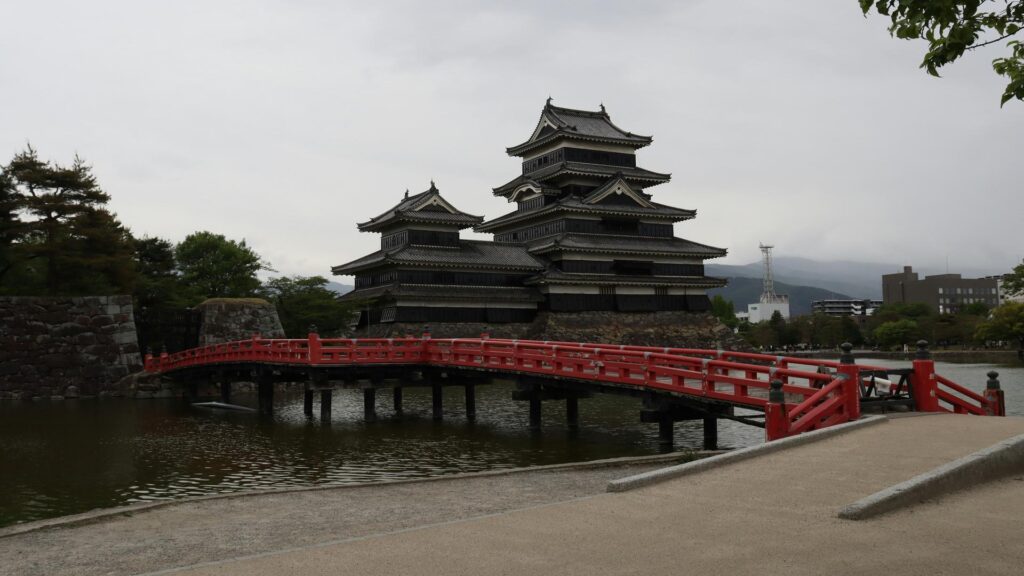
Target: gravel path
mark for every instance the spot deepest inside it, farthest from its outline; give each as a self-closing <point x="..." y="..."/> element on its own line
<point x="190" y="532"/>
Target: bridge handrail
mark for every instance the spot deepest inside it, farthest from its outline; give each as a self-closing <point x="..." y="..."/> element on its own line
<point x="826" y="396"/>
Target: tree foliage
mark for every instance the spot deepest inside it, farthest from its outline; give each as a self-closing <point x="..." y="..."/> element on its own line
<point x="1006" y="323"/>
<point x="302" y="302"/>
<point x="724" y="310"/>
<point x="58" y="237"/>
<point x="212" y="266"/>
<point x="953" y="27"/>
<point x="158" y="282"/>
<point x="1013" y="283"/>
<point x="896" y="333"/>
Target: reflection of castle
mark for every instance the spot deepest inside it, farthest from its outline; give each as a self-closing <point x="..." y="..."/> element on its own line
<point x="586" y="235"/>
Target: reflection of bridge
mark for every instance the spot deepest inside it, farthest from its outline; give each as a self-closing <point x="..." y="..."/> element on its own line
<point x="794" y="395"/>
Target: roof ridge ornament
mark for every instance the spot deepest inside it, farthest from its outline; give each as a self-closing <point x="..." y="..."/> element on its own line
<point x="433" y="188"/>
<point x="548" y="103"/>
<point x="602" y="109"/>
<point x="406" y="193"/>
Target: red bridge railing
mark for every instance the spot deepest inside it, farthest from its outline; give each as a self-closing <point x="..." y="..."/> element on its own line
<point x="796" y="394"/>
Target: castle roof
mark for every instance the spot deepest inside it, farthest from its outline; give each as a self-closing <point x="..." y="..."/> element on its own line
<point x="640" y="176"/>
<point x="575" y="242"/>
<point x="586" y="125"/>
<point x="477" y="254"/>
<point x="427" y="207"/>
<point x="575" y="205"/>
<point x="554" y="276"/>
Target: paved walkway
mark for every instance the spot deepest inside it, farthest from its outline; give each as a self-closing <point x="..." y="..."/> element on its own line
<point x="769" y="515"/>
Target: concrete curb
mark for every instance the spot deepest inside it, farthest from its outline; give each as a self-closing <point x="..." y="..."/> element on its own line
<point x="1002" y="459"/>
<point x="655" y="476"/>
<point x="100" y="515"/>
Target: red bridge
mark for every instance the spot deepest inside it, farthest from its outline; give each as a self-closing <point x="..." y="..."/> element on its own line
<point x="784" y="395"/>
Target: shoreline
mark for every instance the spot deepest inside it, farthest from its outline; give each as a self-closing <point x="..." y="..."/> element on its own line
<point x="176" y="533"/>
<point x="101" y="514"/>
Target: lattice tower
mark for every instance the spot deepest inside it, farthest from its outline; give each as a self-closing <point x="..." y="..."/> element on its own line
<point x="768" y="282"/>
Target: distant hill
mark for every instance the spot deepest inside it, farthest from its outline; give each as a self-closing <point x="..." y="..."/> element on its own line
<point x="858" y="279"/>
<point x="339" y="287"/>
<point x="742" y="291"/>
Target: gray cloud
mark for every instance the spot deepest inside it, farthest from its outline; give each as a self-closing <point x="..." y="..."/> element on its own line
<point x="799" y="123"/>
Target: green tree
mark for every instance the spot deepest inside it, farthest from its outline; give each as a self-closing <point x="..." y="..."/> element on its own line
<point x="1006" y="323"/>
<point x="896" y="333"/>
<point x="1013" y="283"/>
<point x="214" y="267"/>
<point x="10" y="223"/>
<point x="59" y="237"/>
<point x="158" y="282"/>
<point x="305" y="301"/>
<point x="953" y="27"/>
<point x="724" y="310"/>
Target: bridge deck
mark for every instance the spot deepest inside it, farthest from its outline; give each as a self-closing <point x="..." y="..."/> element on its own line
<point x="768" y="515"/>
<point x="797" y="394"/>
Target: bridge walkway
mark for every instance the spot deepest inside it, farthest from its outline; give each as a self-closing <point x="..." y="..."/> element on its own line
<point x="769" y="515"/>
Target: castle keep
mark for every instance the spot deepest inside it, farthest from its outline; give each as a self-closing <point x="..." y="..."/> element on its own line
<point x="586" y="235"/>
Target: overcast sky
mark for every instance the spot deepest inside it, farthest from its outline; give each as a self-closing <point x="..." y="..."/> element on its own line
<point x="798" y="123"/>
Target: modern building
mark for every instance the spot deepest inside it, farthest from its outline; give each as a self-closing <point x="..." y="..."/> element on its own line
<point x="845" y="307"/>
<point x="944" y="293"/>
<point x="586" y="235"/>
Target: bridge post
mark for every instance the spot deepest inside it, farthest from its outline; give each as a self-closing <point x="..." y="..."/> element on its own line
<point x="572" y="411"/>
<point x="471" y="401"/>
<point x="776" y="420"/>
<point x="535" y="409"/>
<point x="666" y="430"/>
<point x="851" y="386"/>
<point x="711" y="433"/>
<point x="923" y="380"/>
<point x="191" y="391"/>
<point x="325" y="405"/>
<point x="225" y="388"/>
<point x="265" y="393"/>
<point x="307" y="401"/>
<point x="397" y="399"/>
<point x="995" y="402"/>
<point x="370" y="404"/>
<point x="437" y="400"/>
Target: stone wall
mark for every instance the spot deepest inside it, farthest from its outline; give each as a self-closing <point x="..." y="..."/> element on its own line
<point x="66" y="347"/>
<point x="227" y="319"/>
<point x="676" y="329"/>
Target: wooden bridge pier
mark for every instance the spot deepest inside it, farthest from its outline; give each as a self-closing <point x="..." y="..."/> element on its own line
<point x="470" y="401"/>
<point x="325" y="405"/>
<point x="396" y="400"/>
<point x="370" y="403"/>
<point x="265" y="393"/>
<point x="666" y="411"/>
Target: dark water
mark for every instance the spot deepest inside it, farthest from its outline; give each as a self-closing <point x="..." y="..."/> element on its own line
<point x="66" y="457"/>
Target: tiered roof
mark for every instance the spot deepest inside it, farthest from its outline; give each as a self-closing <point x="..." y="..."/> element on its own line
<point x="427" y="207"/>
<point x="585" y="125"/>
<point x="576" y="206"/>
<point x="625" y="245"/>
<point x="554" y="276"/>
<point x="468" y="254"/>
<point x="640" y="176"/>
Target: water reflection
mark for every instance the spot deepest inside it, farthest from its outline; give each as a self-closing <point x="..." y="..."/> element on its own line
<point x="66" y="457"/>
<point x="61" y="458"/>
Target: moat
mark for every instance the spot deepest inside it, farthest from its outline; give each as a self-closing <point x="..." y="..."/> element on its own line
<point x="65" y="457"/>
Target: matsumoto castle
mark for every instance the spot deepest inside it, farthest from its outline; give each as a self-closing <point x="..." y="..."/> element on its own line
<point x="586" y="235"/>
